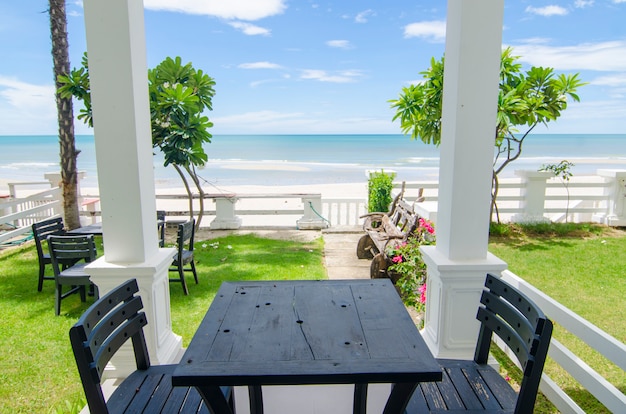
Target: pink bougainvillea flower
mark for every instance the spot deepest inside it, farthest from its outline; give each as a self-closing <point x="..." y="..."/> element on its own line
<point x="507" y="378"/>
<point x="397" y="259"/>
<point x="422" y="291"/>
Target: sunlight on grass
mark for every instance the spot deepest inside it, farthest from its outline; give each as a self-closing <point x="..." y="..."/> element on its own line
<point x="37" y="369"/>
<point x="587" y="275"/>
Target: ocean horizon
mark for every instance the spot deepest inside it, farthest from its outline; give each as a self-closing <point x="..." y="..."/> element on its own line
<point x="311" y="159"/>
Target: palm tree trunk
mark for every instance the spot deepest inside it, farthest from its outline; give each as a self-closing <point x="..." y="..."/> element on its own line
<point x="65" y="114"/>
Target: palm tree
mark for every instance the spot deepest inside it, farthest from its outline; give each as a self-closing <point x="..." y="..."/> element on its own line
<point x="65" y="114"/>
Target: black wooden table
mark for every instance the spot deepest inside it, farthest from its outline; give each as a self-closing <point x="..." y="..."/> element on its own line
<point x="96" y="229"/>
<point x="93" y="229"/>
<point x="307" y="332"/>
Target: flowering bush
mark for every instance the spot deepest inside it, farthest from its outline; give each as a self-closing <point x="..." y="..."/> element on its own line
<point x="407" y="262"/>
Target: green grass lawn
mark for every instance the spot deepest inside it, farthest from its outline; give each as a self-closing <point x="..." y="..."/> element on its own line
<point x="37" y="369"/>
<point x="587" y="274"/>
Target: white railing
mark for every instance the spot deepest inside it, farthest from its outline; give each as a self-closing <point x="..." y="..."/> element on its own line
<point x="539" y="197"/>
<point x="20" y="213"/>
<point x="609" y="347"/>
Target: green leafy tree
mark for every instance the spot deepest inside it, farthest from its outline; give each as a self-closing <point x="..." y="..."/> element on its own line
<point x="179" y="94"/>
<point x="525" y="100"/>
<point x="65" y="115"/>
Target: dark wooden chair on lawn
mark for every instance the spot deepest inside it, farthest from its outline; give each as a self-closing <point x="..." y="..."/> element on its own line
<point x="97" y="336"/>
<point x="69" y="256"/>
<point x="41" y="231"/>
<point x="161" y="227"/>
<point x="184" y="260"/>
<point x="474" y="386"/>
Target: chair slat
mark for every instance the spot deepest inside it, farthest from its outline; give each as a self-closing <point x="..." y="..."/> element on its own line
<point x="98" y="335"/>
<point x="474" y="386"/>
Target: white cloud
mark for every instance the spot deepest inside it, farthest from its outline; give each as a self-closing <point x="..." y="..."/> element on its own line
<point x="324" y="76"/>
<point x="340" y="44"/>
<point x="581" y="4"/>
<point x="260" y="65"/>
<point x="23" y="95"/>
<point x="26" y="108"/>
<point x="547" y="10"/>
<point x="363" y="16"/>
<point x="605" y="56"/>
<point x="231" y="9"/>
<point x="434" y="31"/>
<point x="619" y="1"/>
<point x="250" y="29"/>
<point x="616" y="80"/>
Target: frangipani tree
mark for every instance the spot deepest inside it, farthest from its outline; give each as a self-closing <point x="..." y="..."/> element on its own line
<point x="179" y="94"/>
<point x="525" y="100"/>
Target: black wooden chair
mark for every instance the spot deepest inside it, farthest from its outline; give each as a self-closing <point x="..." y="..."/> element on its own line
<point x="96" y="337"/>
<point x="69" y="256"/>
<point x="474" y="386"/>
<point x="161" y="227"/>
<point x="184" y="256"/>
<point x="41" y="231"/>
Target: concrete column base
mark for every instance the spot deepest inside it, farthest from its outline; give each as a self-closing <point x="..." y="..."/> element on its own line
<point x="225" y="224"/>
<point x="453" y="295"/>
<point x="164" y="346"/>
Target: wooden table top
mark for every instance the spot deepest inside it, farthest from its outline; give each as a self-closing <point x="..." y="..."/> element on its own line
<point x="306" y="332"/>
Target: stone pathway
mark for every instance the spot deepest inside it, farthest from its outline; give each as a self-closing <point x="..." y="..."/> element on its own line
<point x="340" y="253"/>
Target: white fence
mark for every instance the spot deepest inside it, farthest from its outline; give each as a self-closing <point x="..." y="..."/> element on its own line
<point x="532" y="197"/>
<point x="612" y="349"/>
<point x="17" y="215"/>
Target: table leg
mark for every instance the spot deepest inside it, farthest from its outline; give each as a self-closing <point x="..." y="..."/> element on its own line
<point x="359" y="405"/>
<point x="214" y="399"/>
<point x="399" y="398"/>
<point x="256" y="399"/>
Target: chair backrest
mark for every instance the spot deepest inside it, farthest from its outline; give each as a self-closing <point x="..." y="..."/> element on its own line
<point x="160" y="214"/>
<point x="67" y="250"/>
<point x="185" y="235"/>
<point x="521" y="324"/>
<point x="101" y="331"/>
<point x="45" y="228"/>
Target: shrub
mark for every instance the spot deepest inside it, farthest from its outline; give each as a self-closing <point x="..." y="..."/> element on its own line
<point x="379" y="189"/>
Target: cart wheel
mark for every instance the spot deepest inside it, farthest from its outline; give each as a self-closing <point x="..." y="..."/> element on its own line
<point x="364" y="247"/>
<point x="378" y="268"/>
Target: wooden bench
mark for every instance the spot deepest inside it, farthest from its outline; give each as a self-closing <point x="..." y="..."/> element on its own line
<point x="386" y="230"/>
<point x="476" y="387"/>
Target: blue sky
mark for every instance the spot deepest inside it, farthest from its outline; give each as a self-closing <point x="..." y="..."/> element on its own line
<point x="300" y="66"/>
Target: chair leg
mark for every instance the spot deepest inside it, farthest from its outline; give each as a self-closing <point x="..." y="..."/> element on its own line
<point x="83" y="293"/>
<point x="181" y="272"/>
<point x="193" y="269"/>
<point x="42" y="269"/>
<point x="57" y="299"/>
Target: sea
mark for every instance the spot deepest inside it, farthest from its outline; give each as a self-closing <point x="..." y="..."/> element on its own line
<point x="312" y="159"/>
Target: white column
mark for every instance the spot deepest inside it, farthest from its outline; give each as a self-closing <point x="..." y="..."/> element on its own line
<point x="312" y="219"/>
<point x="534" y="185"/>
<point x="616" y="194"/>
<point x="119" y="92"/>
<point x="458" y="264"/>
<point x="225" y="215"/>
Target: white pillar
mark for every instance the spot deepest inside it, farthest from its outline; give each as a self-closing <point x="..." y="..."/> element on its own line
<point x="119" y="92"/>
<point x="312" y="219"/>
<point x="616" y="194"/>
<point x="458" y="264"/>
<point x="534" y="185"/>
<point x="225" y="215"/>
